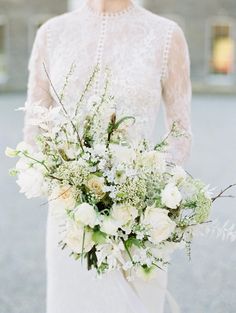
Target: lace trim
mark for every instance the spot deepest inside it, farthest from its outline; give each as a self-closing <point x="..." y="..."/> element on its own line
<point x="129" y="8"/>
<point x="166" y="51"/>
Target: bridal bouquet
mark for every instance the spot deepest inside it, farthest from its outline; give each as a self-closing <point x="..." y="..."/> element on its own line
<point x="120" y="205"/>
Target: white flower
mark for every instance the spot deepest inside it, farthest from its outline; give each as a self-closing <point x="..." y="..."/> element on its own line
<point x="109" y="226"/>
<point x="122" y="154"/>
<point x="96" y="185"/>
<point x="100" y="149"/>
<point x="61" y="199"/>
<point x="171" y="196"/>
<point x="179" y="174"/>
<point x="86" y="214"/>
<point x="153" y="160"/>
<point x="31" y="182"/>
<point x="11" y="153"/>
<point x="78" y="239"/>
<point x="124" y="213"/>
<point x="111" y="253"/>
<point x="161" y="225"/>
<point x="41" y="115"/>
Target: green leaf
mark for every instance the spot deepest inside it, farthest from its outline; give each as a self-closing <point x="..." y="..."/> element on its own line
<point x="123" y="119"/>
<point x="133" y="241"/>
<point x="99" y="237"/>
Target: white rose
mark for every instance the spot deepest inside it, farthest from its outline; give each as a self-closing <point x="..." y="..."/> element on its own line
<point x="77" y="240"/>
<point x="32" y="183"/>
<point x="161" y="225"/>
<point x="171" y="196"/>
<point x="153" y="159"/>
<point x="61" y="199"/>
<point x="86" y="214"/>
<point x="124" y="213"/>
<point x="109" y="226"/>
<point x="96" y="185"/>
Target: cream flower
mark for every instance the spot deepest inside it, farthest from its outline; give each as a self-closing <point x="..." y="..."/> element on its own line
<point x="124" y="213"/>
<point x="171" y="196"/>
<point x="77" y="239"/>
<point x="96" y="185"/>
<point x="86" y="214"/>
<point x="161" y="225"/>
<point x="61" y="199"/>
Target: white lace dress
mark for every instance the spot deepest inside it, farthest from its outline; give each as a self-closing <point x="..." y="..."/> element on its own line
<point x="149" y="61"/>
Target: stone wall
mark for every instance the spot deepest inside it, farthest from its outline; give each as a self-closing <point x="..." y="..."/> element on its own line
<point x="21" y="18"/>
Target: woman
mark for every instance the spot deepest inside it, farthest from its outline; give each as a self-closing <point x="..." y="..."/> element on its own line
<point x="149" y="61"/>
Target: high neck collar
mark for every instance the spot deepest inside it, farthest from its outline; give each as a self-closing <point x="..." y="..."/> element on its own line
<point x="130" y="7"/>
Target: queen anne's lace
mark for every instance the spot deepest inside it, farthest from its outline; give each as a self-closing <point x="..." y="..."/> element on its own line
<point x="149" y="61"/>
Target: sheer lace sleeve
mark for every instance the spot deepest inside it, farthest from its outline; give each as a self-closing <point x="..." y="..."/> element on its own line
<point x="38" y="93"/>
<point x="177" y="93"/>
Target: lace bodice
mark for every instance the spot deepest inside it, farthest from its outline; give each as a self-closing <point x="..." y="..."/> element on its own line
<point x="148" y="58"/>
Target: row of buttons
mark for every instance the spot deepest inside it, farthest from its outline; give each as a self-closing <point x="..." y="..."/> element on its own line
<point x="100" y="49"/>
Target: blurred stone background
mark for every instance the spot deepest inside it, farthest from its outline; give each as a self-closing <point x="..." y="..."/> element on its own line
<point x="207" y="284"/>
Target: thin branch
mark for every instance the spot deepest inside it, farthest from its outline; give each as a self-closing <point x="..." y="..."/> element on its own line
<point x="60" y="195"/>
<point x="220" y="195"/>
<point x="86" y="88"/>
<point x="63" y="107"/>
<point x="67" y="80"/>
<point x="37" y="161"/>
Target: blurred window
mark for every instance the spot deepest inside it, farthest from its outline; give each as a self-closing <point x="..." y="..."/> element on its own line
<point x="222" y="49"/>
<point x="3" y="52"/>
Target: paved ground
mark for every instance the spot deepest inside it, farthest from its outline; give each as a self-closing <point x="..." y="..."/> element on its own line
<point x="206" y="285"/>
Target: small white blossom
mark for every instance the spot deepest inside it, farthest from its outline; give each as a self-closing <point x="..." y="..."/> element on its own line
<point x="171" y="196"/>
<point x="85" y="214"/>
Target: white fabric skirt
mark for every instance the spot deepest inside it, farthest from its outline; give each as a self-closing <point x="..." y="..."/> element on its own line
<point x="71" y="288"/>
